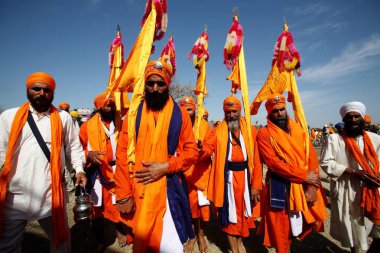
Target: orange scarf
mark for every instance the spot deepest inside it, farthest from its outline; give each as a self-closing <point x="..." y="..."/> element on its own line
<point x="370" y="196"/>
<point x="216" y="182"/>
<point x="58" y="212"/>
<point x="151" y="198"/>
<point x="291" y="148"/>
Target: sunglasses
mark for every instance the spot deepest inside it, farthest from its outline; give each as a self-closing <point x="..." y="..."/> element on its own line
<point x="159" y="83"/>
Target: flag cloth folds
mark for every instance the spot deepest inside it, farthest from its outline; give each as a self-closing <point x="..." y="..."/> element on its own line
<point x="168" y="55"/>
<point x="116" y="62"/>
<point x="200" y="57"/>
<point x="286" y="60"/>
<point x="133" y="76"/>
<point x="238" y="76"/>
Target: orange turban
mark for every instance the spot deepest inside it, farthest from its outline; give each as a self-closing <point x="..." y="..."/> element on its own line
<point x="275" y="101"/>
<point x="231" y="103"/>
<point x="159" y="68"/>
<point x="40" y="77"/>
<point x="64" y="106"/>
<point x="187" y="102"/>
<point x="205" y="113"/>
<point x="367" y="118"/>
<point x="101" y="99"/>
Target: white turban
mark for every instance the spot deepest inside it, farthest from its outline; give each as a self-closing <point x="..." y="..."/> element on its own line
<point x="353" y="107"/>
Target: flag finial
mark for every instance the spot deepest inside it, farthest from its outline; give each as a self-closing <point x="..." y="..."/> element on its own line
<point x="235" y="13"/>
<point x="285" y="25"/>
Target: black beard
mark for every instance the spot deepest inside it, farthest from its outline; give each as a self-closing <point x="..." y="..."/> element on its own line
<point x="192" y="117"/>
<point x="40" y="104"/>
<point x="155" y="101"/>
<point x="107" y="116"/>
<point x="351" y="131"/>
<point x="281" y="122"/>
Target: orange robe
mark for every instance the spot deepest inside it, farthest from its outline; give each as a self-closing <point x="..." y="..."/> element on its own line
<point x="151" y="146"/>
<point x="215" y="192"/>
<point x="198" y="174"/>
<point x="92" y="133"/>
<point x="275" y="222"/>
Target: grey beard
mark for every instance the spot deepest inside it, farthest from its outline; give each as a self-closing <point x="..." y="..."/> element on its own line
<point x="233" y="125"/>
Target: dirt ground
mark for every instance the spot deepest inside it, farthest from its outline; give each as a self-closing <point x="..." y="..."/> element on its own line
<point x="83" y="241"/>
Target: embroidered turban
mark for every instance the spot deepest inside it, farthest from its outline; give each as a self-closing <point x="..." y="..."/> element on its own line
<point x="275" y="101"/>
<point x="159" y="68"/>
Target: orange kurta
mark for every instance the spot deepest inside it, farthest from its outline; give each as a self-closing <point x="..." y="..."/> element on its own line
<point x="216" y="183"/>
<point x="198" y="175"/>
<point x="92" y="134"/>
<point x="275" y="222"/>
<point x="147" y="221"/>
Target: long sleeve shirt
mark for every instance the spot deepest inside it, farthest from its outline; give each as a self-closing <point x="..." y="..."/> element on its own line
<point x="30" y="195"/>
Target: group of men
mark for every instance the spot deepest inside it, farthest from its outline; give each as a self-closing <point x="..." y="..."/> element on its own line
<point x="161" y="201"/>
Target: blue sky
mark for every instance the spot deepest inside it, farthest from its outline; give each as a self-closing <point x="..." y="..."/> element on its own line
<point x="339" y="43"/>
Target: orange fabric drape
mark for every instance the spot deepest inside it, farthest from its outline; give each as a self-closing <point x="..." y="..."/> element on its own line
<point x="370" y="196"/>
<point x="197" y="175"/>
<point x="92" y="132"/>
<point x="151" y="198"/>
<point x="291" y="148"/>
<point x="60" y="233"/>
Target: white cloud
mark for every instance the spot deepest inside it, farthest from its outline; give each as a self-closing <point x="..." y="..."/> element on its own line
<point x="354" y="58"/>
<point x="312" y="10"/>
<point x="322" y="28"/>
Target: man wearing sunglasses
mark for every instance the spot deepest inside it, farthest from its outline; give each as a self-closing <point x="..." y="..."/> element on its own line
<point x="34" y="141"/>
<point x="165" y="147"/>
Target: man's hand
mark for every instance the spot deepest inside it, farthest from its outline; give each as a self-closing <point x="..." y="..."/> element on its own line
<point x="81" y="179"/>
<point x="151" y="172"/>
<point x="127" y="207"/>
<point x="311" y="193"/>
<point x="94" y="157"/>
<point x="255" y="195"/>
<point x="312" y="178"/>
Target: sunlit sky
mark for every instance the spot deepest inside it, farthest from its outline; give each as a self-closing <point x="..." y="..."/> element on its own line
<point x="339" y="43"/>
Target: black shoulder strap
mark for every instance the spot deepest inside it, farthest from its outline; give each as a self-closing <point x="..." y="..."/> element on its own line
<point x="38" y="136"/>
<point x="236" y="139"/>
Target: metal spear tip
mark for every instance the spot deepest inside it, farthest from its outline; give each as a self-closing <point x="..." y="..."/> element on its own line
<point x="206" y="27"/>
<point x="117" y="28"/>
<point x="235" y="12"/>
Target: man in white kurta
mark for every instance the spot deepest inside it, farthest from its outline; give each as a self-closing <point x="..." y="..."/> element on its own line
<point x="348" y="224"/>
<point x="29" y="193"/>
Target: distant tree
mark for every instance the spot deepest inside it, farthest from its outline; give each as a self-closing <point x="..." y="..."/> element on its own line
<point x="178" y="91"/>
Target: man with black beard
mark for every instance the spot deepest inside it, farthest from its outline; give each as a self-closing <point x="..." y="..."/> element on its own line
<point x="236" y="175"/>
<point x="198" y="174"/>
<point x="99" y="141"/>
<point x="292" y="190"/>
<point x="32" y="161"/>
<point x="352" y="161"/>
<point x="151" y="188"/>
